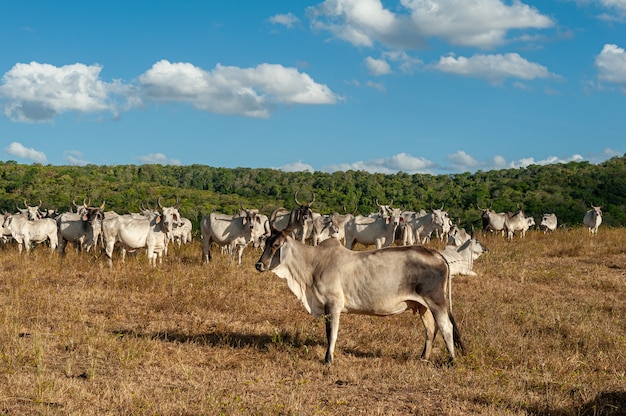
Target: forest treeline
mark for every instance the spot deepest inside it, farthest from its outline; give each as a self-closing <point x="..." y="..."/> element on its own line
<point x="565" y="189"/>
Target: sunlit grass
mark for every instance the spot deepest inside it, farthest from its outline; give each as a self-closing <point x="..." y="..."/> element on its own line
<point x="544" y="322"/>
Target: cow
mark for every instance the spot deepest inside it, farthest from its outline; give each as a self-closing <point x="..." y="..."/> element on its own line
<point x="83" y="227"/>
<point x="303" y="213"/>
<point x="181" y="234"/>
<point x="457" y="236"/>
<point x="330" y="279"/>
<point x="31" y="211"/>
<point x="492" y="221"/>
<point x="131" y="233"/>
<point x="232" y="231"/>
<point x="376" y="231"/>
<point x="461" y="258"/>
<point x="548" y="223"/>
<point x="593" y="219"/>
<point x="27" y="232"/>
<point x="5" y="231"/>
<point x="517" y="221"/>
<point x="423" y="224"/>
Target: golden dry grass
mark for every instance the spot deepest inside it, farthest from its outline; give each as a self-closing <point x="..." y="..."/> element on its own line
<point x="545" y="323"/>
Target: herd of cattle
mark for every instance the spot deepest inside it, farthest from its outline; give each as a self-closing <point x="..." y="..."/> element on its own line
<point x="304" y="247"/>
<point x="91" y="228"/>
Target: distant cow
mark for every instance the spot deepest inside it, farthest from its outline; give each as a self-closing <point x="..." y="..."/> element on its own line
<point x="83" y="228"/>
<point x="492" y="221"/>
<point x="303" y="213"/>
<point x="27" y="232"/>
<point x="329" y="280"/>
<point x="517" y="222"/>
<point x="376" y="231"/>
<point x="461" y="258"/>
<point x="593" y="219"/>
<point x="548" y="223"/>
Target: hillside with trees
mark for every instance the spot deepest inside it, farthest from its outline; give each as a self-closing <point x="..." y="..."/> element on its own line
<point x="565" y="189"/>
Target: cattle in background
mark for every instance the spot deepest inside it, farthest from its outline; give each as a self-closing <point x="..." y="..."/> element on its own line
<point x="5" y="231"/>
<point x="181" y="234"/>
<point x="422" y="224"/>
<point x="376" y="231"/>
<point x="83" y="227"/>
<point x="329" y="280"/>
<point x="31" y="212"/>
<point x="458" y="236"/>
<point x="593" y="219"/>
<point x="492" y="221"/>
<point x="280" y="218"/>
<point x="461" y="258"/>
<point x="548" y="223"/>
<point x="27" y="232"/>
<point x="517" y="222"/>
<point x="231" y="231"/>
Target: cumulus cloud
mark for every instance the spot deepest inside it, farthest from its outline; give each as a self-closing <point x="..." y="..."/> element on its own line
<point x="74" y="157"/>
<point x="288" y="20"/>
<point x="402" y="162"/>
<point x="495" y="68"/>
<point x="158" y="159"/>
<point x="476" y="23"/>
<point x="377" y="67"/>
<point x="19" y="150"/>
<point x="37" y="92"/>
<point x="252" y="92"/>
<point x="298" y="166"/>
<point x="611" y="64"/>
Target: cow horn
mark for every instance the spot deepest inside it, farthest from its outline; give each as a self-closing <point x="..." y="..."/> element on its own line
<point x="159" y="202"/>
<point x="103" y="204"/>
<point x="74" y="202"/>
<point x="441" y="207"/>
<point x="86" y="204"/>
<point x="377" y="204"/>
<point x="391" y="202"/>
<point x="177" y="202"/>
<point x="25" y="204"/>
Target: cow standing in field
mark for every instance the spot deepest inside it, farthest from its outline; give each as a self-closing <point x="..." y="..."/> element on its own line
<point x="376" y="230"/>
<point x="492" y="221"/>
<point x="461" y="258"/>
<point x="329" y="280"/>
<point x="231" y="231"/>
<point x="548" y="223"/>
<point x="83" y="227"/>
<point x="27" y="232"/>
<point x="517" y="222"/>
<point x="280" y="218"/>
<point x="593" y="219"/>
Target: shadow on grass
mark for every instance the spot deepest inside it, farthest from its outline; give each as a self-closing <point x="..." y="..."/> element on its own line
<point x="225" y="339"/>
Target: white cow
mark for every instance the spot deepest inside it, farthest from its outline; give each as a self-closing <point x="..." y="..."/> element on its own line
<point x="548" y="223"/>
<point x="83" y="228"/>
<point x="231" y="231"/>
<point x="181" y="234"/>
<point x="461" y="258"/>
<point x="330" y="280"/>
<point x="593" y="219"/>
<point x="517" y="222"/>
<point x="376" y="231"/>
<point x="27" y="232"/>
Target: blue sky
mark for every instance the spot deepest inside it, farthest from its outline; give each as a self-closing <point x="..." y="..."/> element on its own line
<point x="418" y="86"/>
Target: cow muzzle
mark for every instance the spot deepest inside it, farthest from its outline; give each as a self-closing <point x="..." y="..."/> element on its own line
<point x="260" y="266"/>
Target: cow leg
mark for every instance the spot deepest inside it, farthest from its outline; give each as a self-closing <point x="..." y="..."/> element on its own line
<point x="239" y="253"/>
<point x="206" y="250"/>
<point x="332" y="329"/>
<point x="430" y="329"/>
<point x="442" y="318"/>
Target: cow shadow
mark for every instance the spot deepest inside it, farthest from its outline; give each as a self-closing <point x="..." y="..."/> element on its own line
<point x="234" y="340"/>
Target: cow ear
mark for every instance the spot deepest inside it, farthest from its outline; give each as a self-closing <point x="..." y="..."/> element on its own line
<point x="85" y="217"/>
<point x="159" y="218"/>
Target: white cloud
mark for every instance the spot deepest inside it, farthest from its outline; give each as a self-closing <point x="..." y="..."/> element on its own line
<point x="19" y="150"/>
<point x="158" y="159"/>
<point x="611" y="64"/>
<point x="377" y="67"/>
<point x="475" y="23"/>
<point x="287" y="20"/>
<point x="495" y="68"/>
<point x="37" y="92"/>
<point x="401" y="162"/>
<point x="376" y="85"/>
<point x="298" y="166"/>
<point x="252" y="92"/>
<point x="74" y="157"/>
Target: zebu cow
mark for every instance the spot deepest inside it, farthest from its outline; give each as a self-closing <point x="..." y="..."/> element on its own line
<point x="5" y="231"/>
<point x="27" y="232"/>
<point x="83" y="227"/>
<point x="593" y="219"/>
<point x="376" y="231"/>
<point x="492" y="221"/>
<point x="457" y="236"/>
<point x="303" y="214"/>
<point x="548" y="223"/>
<point x="131" y="233"/>
<point x="231" y="231"/>
<point x="461" y="258"/>
<point x="181" y="234"/>
<point x="422" y="224"/>
<point x="329" y="280"/>
<point x="517" y="221"/>
<point x="31" y="211"/>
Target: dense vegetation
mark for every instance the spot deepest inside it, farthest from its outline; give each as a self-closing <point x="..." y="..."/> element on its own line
<point x="565" y="189"/>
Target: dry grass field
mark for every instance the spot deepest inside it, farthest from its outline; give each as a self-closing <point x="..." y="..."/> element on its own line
<point x="544" y="323"/>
